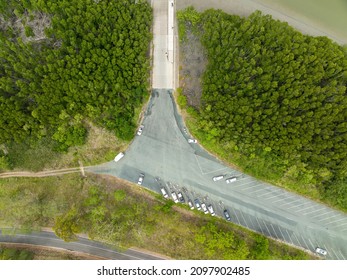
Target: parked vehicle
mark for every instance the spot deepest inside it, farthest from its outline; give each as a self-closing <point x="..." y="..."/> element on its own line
<point x="217" y="178"/>
<point x="118" y="157"/>
<point x="190" y="140"/>
<point x="211" y="210"/>
<point x="139" y="131"/>
<point x="321" y="251"/>
<point x="204" y="208"/>
<point x="180" y="197"/>
<point x="163" y="191"/>
<point x="190" y="203"/>
<point x="230" y="180"/>
<point x="197" y="204"/>
<point x="140" y="180"/>
<point x="226" y="215"/>
<point x="174" y="197"/>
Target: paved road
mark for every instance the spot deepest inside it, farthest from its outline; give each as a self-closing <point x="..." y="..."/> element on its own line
<point x="163" y="151"/>
<point x="83" y="245"/>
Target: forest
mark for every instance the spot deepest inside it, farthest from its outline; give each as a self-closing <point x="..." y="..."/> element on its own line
<point x="66" y="62"/>
<point x="275" y="98"/>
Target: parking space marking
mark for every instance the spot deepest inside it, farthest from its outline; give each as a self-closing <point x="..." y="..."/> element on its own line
<point x="269" y="232"/>
<point x="272" y="195"/>
<point x="313" y="247"/>
<point x="282" y="233"/>
<point x="278" y="200"/>
<point x="251" y="218"/>
<point x="330" y="211"/>
<point x="343" y="224"/>
<point x="274" y="231"/>
<point x="238" y="221"/>
<point x="342" y="256"/>
<point x="320" y="209"/>
<point x="244" y="219"/>
<point x="253" y="185"/>
<point x="307" y="247"/>
<point x="260" y="227"/>
<point x="297" y="240"/>
<point x="299" y="205"/>
<point x="291" y="241"/>
<point x="312" y="206"/>
<point x="331" y="217"/>
<point x="342" y="219"/>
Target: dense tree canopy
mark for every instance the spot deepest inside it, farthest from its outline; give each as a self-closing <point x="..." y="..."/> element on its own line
<point x="91" y="62"/>
<point x="271" y="92"/>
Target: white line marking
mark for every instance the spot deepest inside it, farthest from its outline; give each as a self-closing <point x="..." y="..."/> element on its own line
<point x="274" y="231"/>
<point x="238" y="221"/>
<point x="313" y="247"/>
<point x="342" y="219"/>
<point x="312" y="206"/>
<point x="244" y="219"/>
<point x="297" y="240"/>
<point x="289" y="237"/>
<point x="329" y="218"/>
<point x="324" y="214"/>
<point x="260" y="227"/>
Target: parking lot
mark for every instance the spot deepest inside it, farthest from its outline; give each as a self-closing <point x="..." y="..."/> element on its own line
<point x="162" y="150"/>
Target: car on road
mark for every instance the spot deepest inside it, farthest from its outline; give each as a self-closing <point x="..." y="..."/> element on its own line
<point x="230" y="180"/>
<point x="190" y="140"/>
<point x="321" y="251"/>
<point x="204" y="208"/>
<point x="140" y="180"/>
<point x="163" y="191"/>
<point x="217" y="178"/>
<point x="174" y="197"/>
<point x="190" y="203"/>
<point x="118" y="157"/>
<point x="139" y="131"/>
<point x="226" y="215"/>
<point x="211" y="210"/>
<point x="180" y="197"/>
<point x="197" y="204"/>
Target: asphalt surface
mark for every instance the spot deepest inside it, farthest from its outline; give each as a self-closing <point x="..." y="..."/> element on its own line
<point x="162" y="151"/>
<point x="49" y="239"/>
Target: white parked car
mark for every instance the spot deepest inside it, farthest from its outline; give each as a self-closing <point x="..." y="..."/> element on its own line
<point x="139" y="131"/>
<point x="118" y="157"/>
<point x="204" y="208"/>
<point x="163" y="191"/>
<point x="210" y="209"/>
<point x="140" y="180"/>
<point x="217" y="178"/>
<point x="230" y="180"/>
<point x="174" y="197"/>
<point x="321" y="251"/>
<point x="197" y="204"/>
<point x="190" y="203"/>
<point x="190" y="140"/>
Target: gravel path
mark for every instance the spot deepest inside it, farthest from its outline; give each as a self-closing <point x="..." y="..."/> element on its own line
<point x="246" y="7"/>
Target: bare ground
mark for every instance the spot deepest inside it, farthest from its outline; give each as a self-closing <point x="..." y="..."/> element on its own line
<point x="193" y="61"/>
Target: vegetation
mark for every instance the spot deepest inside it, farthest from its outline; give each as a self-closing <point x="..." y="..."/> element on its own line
<point x="27" y="252"/>
<point x="273" y="101"/>
<point x="67" y="63"/>
<point x="124" y="215"/>
<point x="15" y="254"/>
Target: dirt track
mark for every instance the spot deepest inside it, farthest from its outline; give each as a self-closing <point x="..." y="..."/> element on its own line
<point x="246" y="7"/>
<point x="41" y="173"/>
